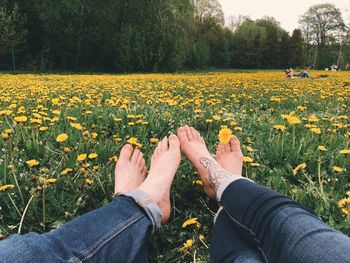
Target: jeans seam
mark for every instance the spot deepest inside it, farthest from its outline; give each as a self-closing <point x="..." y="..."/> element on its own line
<point x="250" y="231"/>
<point x="93" y="249"/>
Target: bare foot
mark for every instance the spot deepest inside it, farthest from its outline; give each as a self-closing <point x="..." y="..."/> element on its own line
<point x="230" y="156"/>
<point x="164" y="163"/>
<point x="210" y="171"/>
<point x="193" y="147"/>
<point x="130" y="170"/>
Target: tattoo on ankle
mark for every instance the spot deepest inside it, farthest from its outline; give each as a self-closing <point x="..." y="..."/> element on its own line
<point x="216" y="174"/>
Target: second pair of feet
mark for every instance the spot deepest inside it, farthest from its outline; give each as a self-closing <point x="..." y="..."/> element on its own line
<point x="131" y="170"/>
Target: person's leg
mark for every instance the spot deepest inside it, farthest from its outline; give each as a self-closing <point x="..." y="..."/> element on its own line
<point x="227" y="244"/>
<point x="116" y="232"/>
<point x="103" y="235"/>
<point x="284" y="231"/>
<point x="229" y="241"/>
<point x="98" y="236"/>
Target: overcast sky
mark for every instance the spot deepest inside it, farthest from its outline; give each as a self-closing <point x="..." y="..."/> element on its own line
<point x="286" y="12"/>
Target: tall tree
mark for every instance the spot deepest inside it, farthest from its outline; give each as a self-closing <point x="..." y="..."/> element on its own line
<point x="12" y="32"/>
<point x="297" y="48"/>
<point x="270" y="49"/>
<point x="321" y="25"/>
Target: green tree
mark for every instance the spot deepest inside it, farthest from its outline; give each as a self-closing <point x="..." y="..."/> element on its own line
<point x="12" y="32"/>
<point x="270" y="48"/>
<point x="297" y="48"/>
<point x="248" y="41"/>
<point x="321" y="24"/>
<point x="286" y="52"/>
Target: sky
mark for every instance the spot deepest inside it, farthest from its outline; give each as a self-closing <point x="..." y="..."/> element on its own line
<point x="286" y="12"/>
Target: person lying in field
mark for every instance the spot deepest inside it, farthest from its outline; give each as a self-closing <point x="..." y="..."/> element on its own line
<point x="254" y="223"/>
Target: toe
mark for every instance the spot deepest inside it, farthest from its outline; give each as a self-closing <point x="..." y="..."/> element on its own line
<point x="126" y="152"/>
<point x="221" y="146"/>
<point x="140" y="159"/>
<point x="144" y="172"/>
<point x="143" y="164"/>
<point x="234" y="144"/>
<point x="220" y="149"/>
<point x="164" y="144"/>
<point x="227" y="147"/>
<point x="154" y="156"/>
<point x="189" y="133"/>
<point x="195" y="134"/>
<point x="174" y="142"/>
<point x="135" y="155"/>
<point x="219" y="153"/>
<point x="182" y="135"/>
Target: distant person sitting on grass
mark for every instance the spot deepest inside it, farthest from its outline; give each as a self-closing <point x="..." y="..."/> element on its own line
<point x="304" y="74"/>
<point x="289" y="73"/>
<point x="254" y="223"/>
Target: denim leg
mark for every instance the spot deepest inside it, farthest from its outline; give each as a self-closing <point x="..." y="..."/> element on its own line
<point x="284" y="231"/>
<point x="117" y="232"/>
<point x="227" y="245"/>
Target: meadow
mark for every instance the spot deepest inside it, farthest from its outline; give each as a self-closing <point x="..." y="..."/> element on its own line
<point x="60" y="136"/>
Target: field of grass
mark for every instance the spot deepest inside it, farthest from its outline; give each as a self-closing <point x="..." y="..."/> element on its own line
<point x="61" y="134"/>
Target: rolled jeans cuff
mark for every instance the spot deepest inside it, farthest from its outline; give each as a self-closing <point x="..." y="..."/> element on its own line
<point x="225" y="184"/>
<point x="151" y="209"/>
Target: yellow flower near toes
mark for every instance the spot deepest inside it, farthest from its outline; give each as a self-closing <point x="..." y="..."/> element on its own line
<point x="225" y="135"/>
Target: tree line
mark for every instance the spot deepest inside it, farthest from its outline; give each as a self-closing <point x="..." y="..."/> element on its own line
<point x="159" y="35"/>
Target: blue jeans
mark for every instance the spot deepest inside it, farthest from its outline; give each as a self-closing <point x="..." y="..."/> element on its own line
<point x="260" y="225"/>
<point x="117" y="232"/>
<point x="256" y="225"/>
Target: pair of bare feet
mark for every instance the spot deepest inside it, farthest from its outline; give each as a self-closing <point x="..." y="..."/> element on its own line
<point x="130" y="170"/>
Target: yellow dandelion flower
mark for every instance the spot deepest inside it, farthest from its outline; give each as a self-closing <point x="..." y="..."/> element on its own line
<point x="20" y="119"/>
<point x="32" y="163"/>
<point x="76" y="126"/>
<point x="114" y="158"/>
<point x="82" y="157"/>
<point x="299" y="168"/>
<point x="191" y="221"/>
<point x="44" y="128"/>
<point x="322" y="148"/>
<point x="255" y="164"/>
<point x="66" y="149"/>
<point x="316" y="130"/>
<point x="92" y="155"/>
<point x="89" y="182"/>
<point x="198" y="182"/>
<point x="6" y="187"/>
<point x="292" y="119"/>
<point x="337" y="169"/>
<point x="188" y="244"/>
<point x="250" y="149"/>
<point x="4" y="135"/>
<point x="247" y="159"/>
<point x="281" y="128"/>
<point x="313" y="118"/>
<point x="225" y="135"/>
<point x="133" y="141"/>
<point x="51" y="180"/>
<point x="62" y="137"/>
<point x="344" y="205"/>
<point x="154" y="140"/>
<point x="66" y="171"/>
<point x="345" y="152"/>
